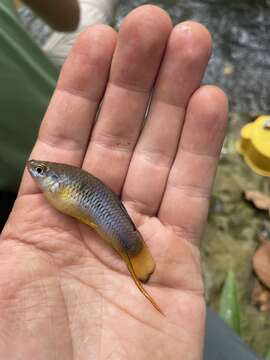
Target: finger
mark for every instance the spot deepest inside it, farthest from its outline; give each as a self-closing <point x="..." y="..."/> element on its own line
<point x="185" y="202"/>
<point x="182" y="69"/>
<point x="141" y="43"/>
<point x="64" y="132"/>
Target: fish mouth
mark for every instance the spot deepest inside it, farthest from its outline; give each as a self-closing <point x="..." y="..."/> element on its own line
<point x="30" y="165"/>
<point x="31" y="162"/>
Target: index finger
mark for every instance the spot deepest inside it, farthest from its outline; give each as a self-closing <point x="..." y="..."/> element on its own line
<point x="65" y="129"/>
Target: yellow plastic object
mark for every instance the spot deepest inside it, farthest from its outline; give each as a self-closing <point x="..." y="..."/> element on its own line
<point x="254" y="145"/>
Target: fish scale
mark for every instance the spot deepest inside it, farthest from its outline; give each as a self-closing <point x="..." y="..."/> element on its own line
<point x="83" y="196"/>
<point x="105" y="210"/>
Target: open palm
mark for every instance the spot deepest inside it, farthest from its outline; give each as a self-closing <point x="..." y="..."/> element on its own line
<point x="64" y="294"/>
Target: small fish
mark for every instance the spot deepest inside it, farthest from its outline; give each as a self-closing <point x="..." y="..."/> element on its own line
<point x="81" y="195"/>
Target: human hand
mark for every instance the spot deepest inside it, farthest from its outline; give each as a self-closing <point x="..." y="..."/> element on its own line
<point x="64" y="293"/>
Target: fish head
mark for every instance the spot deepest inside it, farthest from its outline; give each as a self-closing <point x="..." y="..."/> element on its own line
<point x="47" y="176"/>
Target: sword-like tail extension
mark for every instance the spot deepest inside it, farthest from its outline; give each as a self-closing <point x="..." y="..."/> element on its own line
<point x="139" y="285"/>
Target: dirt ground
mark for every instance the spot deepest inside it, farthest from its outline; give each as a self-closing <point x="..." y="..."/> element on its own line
<point x="231" y="237"/>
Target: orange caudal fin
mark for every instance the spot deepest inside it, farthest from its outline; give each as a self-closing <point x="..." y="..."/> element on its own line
<point x="143" y="263"/>
<point x="129" y="263"/>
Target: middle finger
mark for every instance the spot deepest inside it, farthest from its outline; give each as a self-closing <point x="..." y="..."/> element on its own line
<point x="141" y="42"/>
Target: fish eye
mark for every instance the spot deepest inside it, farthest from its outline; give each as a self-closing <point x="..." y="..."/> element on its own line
<point x="40" y="170"/>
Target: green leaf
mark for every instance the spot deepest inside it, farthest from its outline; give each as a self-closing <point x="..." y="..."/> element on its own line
<point x="28" y="79"/>
<point x="229" y="307"/>
<point x="267" y="356"/>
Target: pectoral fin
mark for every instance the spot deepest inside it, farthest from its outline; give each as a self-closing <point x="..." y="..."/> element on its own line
<point x="93" y="226"/>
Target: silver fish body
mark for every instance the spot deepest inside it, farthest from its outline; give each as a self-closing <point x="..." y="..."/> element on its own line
<point x="83" y="196"/>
